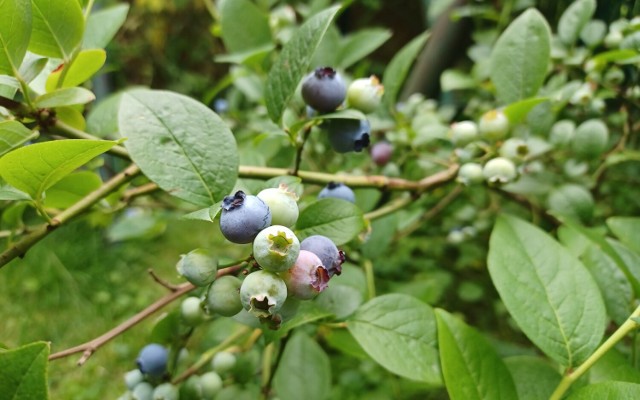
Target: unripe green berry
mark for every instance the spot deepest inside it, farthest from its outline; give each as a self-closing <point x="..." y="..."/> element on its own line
<point x="613" y="39"/>
<point x="514" y="149"/>
<point x="132" y="378"/>
<point x="166" y="391"/>
<point x="572" y="200"/>
<point x="494" y="125"/>
<point x="562" y="132"/>
<point x="198" y="267"/>
<point x="365" y="94"/>
<point x="590" y="139"/>
<point x="470" y="173"/>
<point x="276" y="248"/>
<point x="143" y="391"/>
<point x="191" y="311"/>
<point x="499" y="170"/>
<point x="223" y="362"/>
<point x="211" y="384"/>
<point x="283" y="205"/>
<point x="263" y="293"/>
<point x="223" y="296"/>
<point x="463" y="132"/>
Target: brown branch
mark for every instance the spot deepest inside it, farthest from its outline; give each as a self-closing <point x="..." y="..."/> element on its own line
<point x="92" y="346"/>
<point x="162" y="282"/>
<point x="139" y="191"/>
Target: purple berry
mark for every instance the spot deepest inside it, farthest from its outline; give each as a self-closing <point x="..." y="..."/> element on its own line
<point x="324" y="90"/>
<point x="243" y="217"/>
<point x="381" y="153"/>
<point x="307" y="278"/>
<point x="337" y="190"/>
<point x="323" y="247"/>
<point x="152" y="359"/>
<point x="347" y="135"/>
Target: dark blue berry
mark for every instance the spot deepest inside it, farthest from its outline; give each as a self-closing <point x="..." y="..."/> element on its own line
<point x="243" y="217"/>
<point x="327" y="252"/>
<point x="152" y="359"/>
<point x="348" y="134"/>
<point x="324" y="90"/>
<point x="339" y="191"/>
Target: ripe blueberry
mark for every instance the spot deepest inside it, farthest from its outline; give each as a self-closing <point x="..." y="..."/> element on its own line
<point x="282" y="204"/>
<point x="243" y="217"/>
<point x="324" y="89"/>
<point x="223" y="296"/>
<point x="198" y="267"/>
<point x="347" y="135"/>
<point x="381" y="153"/>
<point x="339" y="191"/>
<point x="152" y="359"/>
<point x="365" y="94"/>
<point x="276" y="248"/>
<point x="307" y="278"/>
<point x="262" y="293"/>
<point x="323" y="247"/>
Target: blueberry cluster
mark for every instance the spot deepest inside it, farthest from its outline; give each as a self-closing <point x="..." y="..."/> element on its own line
<point x="145" y="382"/>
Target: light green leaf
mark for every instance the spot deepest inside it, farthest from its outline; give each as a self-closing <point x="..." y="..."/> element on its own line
<point x="340" y="300"/>
<point x="304" y="371"/>
<point x="520" y="57"/>
<point x="607" y="391"/>
<point x="573" y="19"/>
<point x="180" y="144"/>
<point x="102" y="26"/>
<point x="471" y="368"/>
<point x="548" y="291"/>
<point x="360" y="44"/>
<point x="71" y="189"/>
<point x="84" y="66"/>
<point x="102" y="120"/>
<point x="453" y="79"/>
<point x="535" y="378"/>
<point x="57" y="28"/>
<point x="627" y="229"/>
<point x="10" y="193"/>
<point x="613" y="366"/>
<point x="13" y="135"/>
<point x="336" y="219"/>
<point x="398" y="68"/>
<point x="8" y="86"/>
<point x="35" y="168"/>
<point x="15" y="31"/>
<point x="244" y="26"/>
<point x="72" y="117"/>
<point x="64" y="97"/>
<point x="293" y="62"/>
<point x="23" y="372"/>
<point x="399" y="333"/>
<point x="136" y="224"/>
<point x="31" y="66"/>
<point x="518" y="111"/>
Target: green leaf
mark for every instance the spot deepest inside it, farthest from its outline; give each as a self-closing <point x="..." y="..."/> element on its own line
<point x="627" y="229"/>
<point x="340" y="300"/>
<point x="547" y="290"/>
<point x="13" y="135"/>
<point x="102" y="26"/>
<point x="293" y="62"/>
<point x="336" y="219"/>
<point x="573" y="19"/>
<point x="607" y="391"/>
<point x="136" y="224"/>
<point x="15" y="31"/>
<point x="398" y="68"/>
<point x="520" y="57"/>
<point x="207" y="214"/>
<point x="64" y="97"/>
<point x="71" y="189"/>
<point x="72" y="117"/>
<point x="304" y="371"/>
<point x="35" y="168"/>
<point x="180" y="144"/>
<point x="32" y="66"/>
<point x="244" y="26"/>
<point x="399" y="333"/>
<point x="57" y="28"/>
<point x="102" y="120"/>
<point x="360" y="44"/>
<point x="471" y="368"/>
<point x="84" y="66"/>
<point x="8" y="86"/>
<point x="23" y="372"/>
<point x="534" y="377"/>
<point x="518" y="111"/>
<point x="10" y="193"/>
<point x="307" y="312"/>
<point x="613" y="366"/>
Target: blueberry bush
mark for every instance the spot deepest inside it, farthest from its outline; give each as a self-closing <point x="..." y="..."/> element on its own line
<point x="333" y="228"/>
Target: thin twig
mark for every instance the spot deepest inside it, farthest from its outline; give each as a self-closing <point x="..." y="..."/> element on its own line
<point x="432" y="212"/>
<point x="305" y="135"/>
<point x="162" y="282"/>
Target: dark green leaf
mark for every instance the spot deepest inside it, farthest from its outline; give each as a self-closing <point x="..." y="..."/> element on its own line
<point x="535" y="378"/>
<point x="71" y="188"/>
<point x="336" y="219"/>
<point x="23" y="372"/>
<point x="360" y="44"/>
<point x="398" y="68"/>
<point x="399" y="332"/>
<point x="307" y="312"/>
<point x="35" y="168"/>
<point x="65" y="97"/>
<point x="340" y="300"/>
<point x="548" y="291"/>
<point x="15" y="31"/>
<point x="293" y="62"/>
<point x="13" y="135"/>
<point x="304" y="371"/>
<point x="57" y="28"/>
<point x="244" y="25"/>
<point x="180" y="144"/>
<point x="627" y="229"/>
<point x="520" y="57"/>
<point x="471" y="368"/>
<point x="573" y="19"/>
<point x="102" y="26"/>
<point x="607" y="391"/>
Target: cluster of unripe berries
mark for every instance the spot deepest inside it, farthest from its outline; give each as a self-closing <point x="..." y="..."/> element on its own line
<point x="324" y="91"/>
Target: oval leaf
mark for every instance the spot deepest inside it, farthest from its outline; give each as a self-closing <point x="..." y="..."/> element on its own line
<point x="471" y="368"/>
<point x="35" y="168"/>
<point x="65" y="97"/>
<point x="293" y="62"/>
<point x="398" y="68"/>
<point x="519" y="110"/>
<point x="304" y="371"/>
<point x="57" y="28"/>
<point x="13" y="135"/>
<point x="23" y="372"/>
<point x="70" y="189"/>
<point x="547" y="290"/>
<point x="573" y="19"/>
<point x="399" y="332"/>
<point x="180" y="144"/>
<point x="15" y="31"/>
<point x="535" y="378"/>
<point x="336" y="219"/>
<point x="244" y="26"/>
<point x="360" y="44"/>
<point x="84" y="66"/>
<point x="627" y="229"/>
<point x="607" y="390"/>
<point x="102" y="26"/>
<point x="520" y="57"/>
